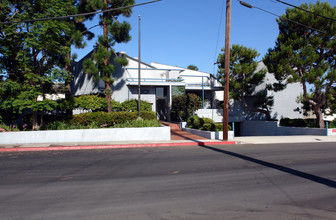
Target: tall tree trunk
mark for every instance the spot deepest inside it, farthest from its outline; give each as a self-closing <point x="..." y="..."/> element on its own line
<point x="319" y="117"/>
<point x="106" y="61"/>
<point x="68" y="80"/>
<point x="68" y="71"/>
<point x="108" y="94"/>
<point x="35" y="121"/>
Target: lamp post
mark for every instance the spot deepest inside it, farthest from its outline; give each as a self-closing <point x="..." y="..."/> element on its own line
<point x="139" y="76"/>
<point x="226" y="71"/>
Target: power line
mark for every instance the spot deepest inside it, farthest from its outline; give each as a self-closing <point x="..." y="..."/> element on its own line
<point x="322" y="16"/>
<point x="219" y="28"/>
<point x="298" y="23"/>
<point x="82" y="14"/>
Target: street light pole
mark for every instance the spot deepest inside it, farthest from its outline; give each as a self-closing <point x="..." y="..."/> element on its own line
<point x="139" y="75"/>
<point x="226" y="71"/>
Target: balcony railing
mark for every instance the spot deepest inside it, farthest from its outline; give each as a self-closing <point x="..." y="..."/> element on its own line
<point x="155" y="80"/>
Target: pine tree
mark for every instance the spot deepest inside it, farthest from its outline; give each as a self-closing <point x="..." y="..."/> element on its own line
<point x="244" y="78"/>
<point x="306" y="53"/>
<point x="113" y="32"/>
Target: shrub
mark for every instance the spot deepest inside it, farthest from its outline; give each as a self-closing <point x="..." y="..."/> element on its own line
<point x="205" y="121"/>
<point x="219" y="127"/>
<point x="332" y="124"/>
<point x="147" y="115"/>
<point x="104" y="119"/>
<point x="95" y="103"/>
<point x="298" y="122"/>
<point x="139" y="124"/>
<point x="205" y="124"/>
<point x="60" y="125"/>
<point x="132" y="105"/>
<point x="208" y="127"/>
<point x="194" y="122"/>
<point x="4" y="128"/>
<point x="184" y="106"/>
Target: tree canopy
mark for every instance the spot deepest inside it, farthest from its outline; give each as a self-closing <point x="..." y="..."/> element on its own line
<point x="113" y="32"/>
<point x="192" y="67"/>
<point x="30" y="51"/>
<point x="244" y="78"/>
<point x="305" y="52"/>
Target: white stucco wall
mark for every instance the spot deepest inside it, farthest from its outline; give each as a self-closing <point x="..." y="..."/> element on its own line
<point x="285" y="100"/>
<point x="86" y="135"/>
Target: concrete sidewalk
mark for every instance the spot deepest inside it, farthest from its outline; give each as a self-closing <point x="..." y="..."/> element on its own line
<point x="284" y="139"/>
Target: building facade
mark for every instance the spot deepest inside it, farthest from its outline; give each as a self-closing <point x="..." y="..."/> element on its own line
<point x="160" y="82"/>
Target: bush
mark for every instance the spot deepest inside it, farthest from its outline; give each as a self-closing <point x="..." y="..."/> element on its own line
<point x="132" y="105"/>
<point x="4" y="128"/>
<point x="95" y="103"/>
<point x="139" y="124"/>
<point x="60" y="125"/>
<point x="208" y="127"/>
<point x="298" y="122"/>
<point x="194" y="122"/>
<point x="147" y="115"/>
<point x="332" y="124"/>
<point x="104" y="119"/>
<point x="219" y="127"/>
<point x="205" y="121"/>
<point x="205" y="124"/>
<point x="184" y="106"/>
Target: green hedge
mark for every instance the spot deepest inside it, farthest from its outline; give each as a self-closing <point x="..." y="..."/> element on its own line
<point x="132" y="105"/>
<point x="205" y="124"/>
<point x="93" y="102"/>
<point x="298" y="122"/>
<point x="104" y="119"/>
<point x="139" y="124"/>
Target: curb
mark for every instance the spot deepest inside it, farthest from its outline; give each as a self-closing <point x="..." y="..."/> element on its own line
<point x="119" y="146"/>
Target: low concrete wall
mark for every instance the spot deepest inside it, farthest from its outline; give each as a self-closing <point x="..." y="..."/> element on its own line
<point x="331" y="132"/>
<point x="214" y="135"/>
<point x="271" y="128"/>
<point x="86" y="135"/>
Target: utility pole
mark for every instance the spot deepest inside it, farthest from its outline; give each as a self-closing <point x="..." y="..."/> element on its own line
<point x="139" y="75"/>
<point x="226" y="71"/>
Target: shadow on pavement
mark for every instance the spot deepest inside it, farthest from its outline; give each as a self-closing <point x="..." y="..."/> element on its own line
<point x="304" y="175"/>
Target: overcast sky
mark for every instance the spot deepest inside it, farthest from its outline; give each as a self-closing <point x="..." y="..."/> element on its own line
<point x="184" y="32"/>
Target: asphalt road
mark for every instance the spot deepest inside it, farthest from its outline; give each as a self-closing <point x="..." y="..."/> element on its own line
<point x="292" y="181"/>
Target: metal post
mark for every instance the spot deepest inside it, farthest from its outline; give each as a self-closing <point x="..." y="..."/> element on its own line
<point x="139" y="75"/>
<point x="202" y="92"/>
<point x="233" y="129"/>
<point x="327" y="127"/>
<point x="227" y="70"/>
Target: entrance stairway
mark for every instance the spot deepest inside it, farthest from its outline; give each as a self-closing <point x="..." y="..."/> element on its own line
<point x="177" y="133"/>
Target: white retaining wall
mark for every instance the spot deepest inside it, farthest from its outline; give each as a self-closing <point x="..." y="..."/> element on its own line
<point x="214" y="135"/>
<point x="331" y="132"/>
<point x="86" y="135"/>
<point x="271" y="128"/>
